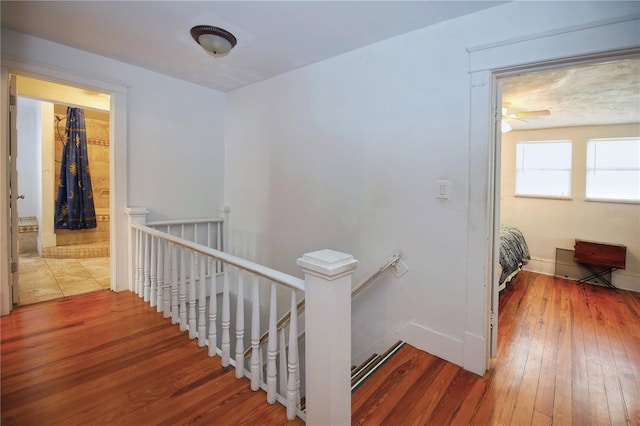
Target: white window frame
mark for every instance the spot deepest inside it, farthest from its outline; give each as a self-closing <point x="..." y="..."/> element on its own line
<point x="590" y="166"/>
<point x="568" y="171"/>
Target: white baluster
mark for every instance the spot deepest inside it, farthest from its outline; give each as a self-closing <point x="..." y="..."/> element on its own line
<point x="262" y="363"/>
<point x="182" y="290"/>
<point x="146" y="268"/>
<point x="255" y="336"/>
<point x="209" y="272"/>
<point x="219" y="246"/>
<point x="282" y="362"/>
<point x="240" y="326"/>
<point x="213" y="333"/>
<point x="139" y="263"/>
<point x="168" y="281"/>
<point x="153" y="273"/>
<point x="298" y="381"/>
<point x="192" y="296"/>
<point x="202" y="304"/>
<point x="272" y="348"/>
<point x="175" y="284"/>
<point x="292" y="385"/>
<point x="160" y="277"/>
<point x="225" y="344"/>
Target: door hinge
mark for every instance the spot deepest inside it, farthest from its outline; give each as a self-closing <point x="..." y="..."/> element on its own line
<point x="12" y="100"/>
<point x="14" y="267"/>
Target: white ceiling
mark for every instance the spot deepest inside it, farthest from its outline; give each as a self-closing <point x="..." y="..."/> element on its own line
<point x="278" y="36"/>
<point x="273" y="36"/>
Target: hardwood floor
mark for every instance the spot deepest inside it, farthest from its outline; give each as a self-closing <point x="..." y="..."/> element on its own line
<point x="569" y="354"/>
<point x="107" y="358"/>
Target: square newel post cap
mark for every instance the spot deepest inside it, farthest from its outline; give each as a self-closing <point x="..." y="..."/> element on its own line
<point x="328" y="264"/>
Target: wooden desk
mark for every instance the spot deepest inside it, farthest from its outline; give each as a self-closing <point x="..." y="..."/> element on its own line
<point x="592" y="254"/>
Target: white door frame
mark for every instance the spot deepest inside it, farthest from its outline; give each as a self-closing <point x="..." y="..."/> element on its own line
<point x="118" y="168"/>
<point x="593" y="42"/>
<point x="13" y="190"/>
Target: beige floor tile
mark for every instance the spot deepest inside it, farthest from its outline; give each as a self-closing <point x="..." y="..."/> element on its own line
<point x="94" y="261"/>
<point x="33" y="295"/>
<point x="58" y="265"/>
<point x="34" y="278"/>
<point x="68" y="270"/>
<point x="69" y="288"/>
<point x="98" y="268"/>
<point x="46" y="279"/>
<point x="31" y="262"/>
<point x="105" y="282"/>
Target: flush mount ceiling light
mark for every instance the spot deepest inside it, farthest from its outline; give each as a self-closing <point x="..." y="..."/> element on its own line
<point x="213" y="39"/>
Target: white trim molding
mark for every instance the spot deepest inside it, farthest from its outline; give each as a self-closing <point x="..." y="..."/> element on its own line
<point x="593" y="41"/>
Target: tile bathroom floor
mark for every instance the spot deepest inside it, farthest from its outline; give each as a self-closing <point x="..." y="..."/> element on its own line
<point x="45" y="279"/>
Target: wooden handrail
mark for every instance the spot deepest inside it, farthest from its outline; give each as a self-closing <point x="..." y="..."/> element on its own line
<point x="282" y="322"/>
<point x="365" y="283"/>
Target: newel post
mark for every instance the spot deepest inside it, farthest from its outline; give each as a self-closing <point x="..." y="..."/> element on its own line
<point x="328" y="336"/>
<point x="138" y="216"/>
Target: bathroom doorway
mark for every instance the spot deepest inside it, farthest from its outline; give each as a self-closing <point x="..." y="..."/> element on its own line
<point x="58" y="263"/>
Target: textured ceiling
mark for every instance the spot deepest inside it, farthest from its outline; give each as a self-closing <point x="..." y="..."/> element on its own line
<point x="604" y="93"/>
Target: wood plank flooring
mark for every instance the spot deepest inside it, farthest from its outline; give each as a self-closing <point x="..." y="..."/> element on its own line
<point x="568" y="354"/>
<point x="107" y="358"/>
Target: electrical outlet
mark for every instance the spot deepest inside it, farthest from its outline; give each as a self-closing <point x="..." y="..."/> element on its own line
<point x="399" y="269"/>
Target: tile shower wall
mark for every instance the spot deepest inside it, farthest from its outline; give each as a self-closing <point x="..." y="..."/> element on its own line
<point x="97" y="125"/>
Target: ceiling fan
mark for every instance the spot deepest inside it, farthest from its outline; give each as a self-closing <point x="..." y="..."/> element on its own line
<point x="520" y="115"/>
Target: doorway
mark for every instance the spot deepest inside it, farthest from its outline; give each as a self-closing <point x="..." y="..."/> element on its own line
<point x="59" y="263"/>
<point x="567" y="104"/>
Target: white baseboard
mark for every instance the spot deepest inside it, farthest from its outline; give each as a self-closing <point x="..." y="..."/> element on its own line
<point x="541" y="266"/>
<point x="469" y="354"/>
<point x="435" y="343"/>
<point x="420" y="337"/>
<point x="621" y="279"/>
<point x="475" y="353"/>
<point x="377" y="348"/>
<point x="626" y="281"/>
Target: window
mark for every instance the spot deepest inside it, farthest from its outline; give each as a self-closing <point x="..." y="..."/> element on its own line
<point x="613" y="169"/>
<point x="543" y="168"/>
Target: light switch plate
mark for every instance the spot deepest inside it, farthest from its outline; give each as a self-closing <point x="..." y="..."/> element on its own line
<point x="443" y="189"/>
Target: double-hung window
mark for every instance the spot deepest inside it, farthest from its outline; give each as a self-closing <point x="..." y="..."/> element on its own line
<point x="543" y="168"/>
<point x="613" y="169"/>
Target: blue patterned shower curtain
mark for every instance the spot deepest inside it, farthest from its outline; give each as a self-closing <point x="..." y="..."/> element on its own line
<point x="74" y="205"/>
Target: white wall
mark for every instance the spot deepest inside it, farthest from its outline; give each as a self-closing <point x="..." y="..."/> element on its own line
<point x="175" y="128"/>
<point x="28" y="124"/>
<point x="171" y="147"/>
<point x="345" y="154"/>
<point x="549" y="224"/>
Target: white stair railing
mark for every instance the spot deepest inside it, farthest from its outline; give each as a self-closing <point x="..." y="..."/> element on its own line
<point x="174" y="275"/>
<point x="284" y="320"/>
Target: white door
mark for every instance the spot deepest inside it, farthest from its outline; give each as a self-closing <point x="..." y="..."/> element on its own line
<point x="13" y="189"/>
